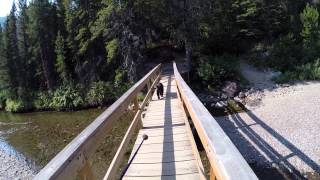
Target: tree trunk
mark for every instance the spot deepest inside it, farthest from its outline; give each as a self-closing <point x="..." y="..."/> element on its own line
<point x="189" y="51"/>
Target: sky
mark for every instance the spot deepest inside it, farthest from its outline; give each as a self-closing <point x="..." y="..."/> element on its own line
<point x="5" y="7"/>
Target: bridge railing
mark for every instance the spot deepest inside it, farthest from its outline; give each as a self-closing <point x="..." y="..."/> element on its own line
<point x="74" y="160"/>
<point x="225" y="159"/>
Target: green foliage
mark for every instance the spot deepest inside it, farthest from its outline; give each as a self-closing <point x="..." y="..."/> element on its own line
<point x="310" y="32"/>
<point x="4" y="78"/>
<point x="61" y="58"/>
<point x="297" y="56"/>
<point x="141" y="97"/>
<point x="43" y="100"/>
<point x="285" y="53"/>
<point x="3" y="98"/>
<point x="120" y="77"/>
<point x="112" y="48"/>
<point x="13" y="64"/>
<point x="67" y="97"/>
<point x="100" y="93"/>
<point x="103" y="43"/>
<point x="246" y="15"/>
<point x="17" y="105"/>
<point x="309" y="71"/>
<point x="214" y="71"/>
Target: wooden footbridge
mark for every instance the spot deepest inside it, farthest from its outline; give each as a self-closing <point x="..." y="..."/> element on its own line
<point x="164" y="148"/>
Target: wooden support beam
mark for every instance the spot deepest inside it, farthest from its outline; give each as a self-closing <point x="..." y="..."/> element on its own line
<point x="136" y="106"/>
<point x="86" y="172"/>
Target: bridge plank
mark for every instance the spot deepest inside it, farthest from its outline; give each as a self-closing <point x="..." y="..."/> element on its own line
<point x="160" y="157"/>
<point x="167" y="154"/>
<point x="191" y="176"/>
<point x="163" y="169"/>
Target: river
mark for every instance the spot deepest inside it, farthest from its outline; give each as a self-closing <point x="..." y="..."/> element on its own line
<point x="28" y="141"/>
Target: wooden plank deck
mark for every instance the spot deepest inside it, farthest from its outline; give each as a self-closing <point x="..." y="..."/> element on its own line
<point x="167" y="154"/>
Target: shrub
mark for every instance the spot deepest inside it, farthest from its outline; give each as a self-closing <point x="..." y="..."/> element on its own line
<point x="3" y="98"/>
<point x="43" y="100"/>
<point x="120" y="77"/>
<point x="67" y="97"/>
<point x="112" y="48"/>
<point x="214" y="71"/>
<point x="310" y="31"/>
<point x="309" y="71"/>
<point x="16" y="105"/>
<point x="100" y="93"/>
<point x="285" y="54"/>
<point x="259" y="54"/>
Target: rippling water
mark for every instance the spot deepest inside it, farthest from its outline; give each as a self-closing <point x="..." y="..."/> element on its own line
<point x="37" y="137"/>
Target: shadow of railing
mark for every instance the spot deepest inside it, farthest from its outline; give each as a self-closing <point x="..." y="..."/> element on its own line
<point x="168" y="148"/>
<point x="286" y="169"/>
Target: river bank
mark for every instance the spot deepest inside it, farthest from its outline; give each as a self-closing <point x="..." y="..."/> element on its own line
<point x="280" y="127"/>
<point x="35" y="138"/>
<point x="13" y="164"/>
<point x="28" y="141"/>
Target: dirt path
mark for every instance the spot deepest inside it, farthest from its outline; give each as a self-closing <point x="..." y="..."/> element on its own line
<point x="283" y="131"/>
<point x="258" y="79"/>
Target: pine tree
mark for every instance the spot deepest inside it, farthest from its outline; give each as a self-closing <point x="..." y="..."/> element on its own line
<point x="12" y="51"/>
<point x="26" y="73"/>
<point x="60" y="65"/>
<point x="4" y="79"/>
<point x="43" y="32"/>
<point x="310" y="31"/>
<point x="87" y="49"/>
<point x="247" y="20"/>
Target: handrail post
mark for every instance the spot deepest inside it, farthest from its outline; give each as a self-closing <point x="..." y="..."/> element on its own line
<point x="136" y="104"/>
<point x="86" y="172"/>
<point x="148" y="85"/>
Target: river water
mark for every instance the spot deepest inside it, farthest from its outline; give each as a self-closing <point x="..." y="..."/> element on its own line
<point x="28" y="141"/>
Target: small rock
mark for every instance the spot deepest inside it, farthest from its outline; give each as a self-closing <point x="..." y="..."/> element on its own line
<point x="231" y="88"/>
<point x="242" y="95"/>
<point x="220" y="104"/>
<point x="237" y="99"/>
<point x="223" y="96"/>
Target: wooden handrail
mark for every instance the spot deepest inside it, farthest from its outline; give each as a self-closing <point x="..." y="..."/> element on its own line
<point x="225" y="159"/>
<point x="72" y="160"/>
<point x="118" y="158"/>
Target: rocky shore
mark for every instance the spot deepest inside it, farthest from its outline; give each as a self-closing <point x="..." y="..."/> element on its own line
<point x="14" y="165"/>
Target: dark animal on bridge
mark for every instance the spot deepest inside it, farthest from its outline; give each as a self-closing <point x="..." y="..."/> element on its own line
<point x="160" y="90"/>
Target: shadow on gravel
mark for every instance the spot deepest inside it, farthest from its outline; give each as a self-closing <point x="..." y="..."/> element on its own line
<point x="280" y="167"/>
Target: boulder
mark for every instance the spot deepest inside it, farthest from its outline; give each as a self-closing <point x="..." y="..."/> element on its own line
<point x="230" y="89"/>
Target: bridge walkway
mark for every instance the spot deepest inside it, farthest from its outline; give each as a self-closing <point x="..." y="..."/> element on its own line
<point x="167" y="154"/>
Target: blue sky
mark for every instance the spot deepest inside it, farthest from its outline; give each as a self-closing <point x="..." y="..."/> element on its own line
<point x="5" y="7"/>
